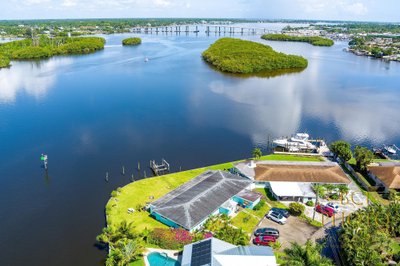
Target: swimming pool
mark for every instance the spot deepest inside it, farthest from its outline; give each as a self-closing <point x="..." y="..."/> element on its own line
<point x="161" y="259"/>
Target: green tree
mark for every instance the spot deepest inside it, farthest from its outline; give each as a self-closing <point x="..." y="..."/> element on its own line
<point x="257" y="153"/>
<point x="363" y="157"/>
<point x="307" y="255"/>
<point x="320" y="190"/>
<point x="296" y="208"/>
<point x="342" y="149"/>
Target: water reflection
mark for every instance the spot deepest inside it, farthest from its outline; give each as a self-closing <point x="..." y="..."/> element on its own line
<point x="269" y="107"/>
<point x="34" y="78"/>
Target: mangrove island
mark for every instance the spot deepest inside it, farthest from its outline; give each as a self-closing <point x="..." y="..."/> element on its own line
<point x="314" y="40"/>
<point x="246" y="57"/>
<point x="132" y="41"/>
<point x="45" y="47"/>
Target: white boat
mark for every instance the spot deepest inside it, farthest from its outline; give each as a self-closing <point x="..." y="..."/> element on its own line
<point x="295" y="143"/>
<point x="390" y="149"/>
<point x="301" y="136"/>
<point x="146" y="59"/>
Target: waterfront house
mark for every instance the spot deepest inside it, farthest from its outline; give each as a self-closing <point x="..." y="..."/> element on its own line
<point x="215" y="252"/>
<point x="292" y="181"/>
<point x="386" y="174"/>
<point x="211" y="193"/>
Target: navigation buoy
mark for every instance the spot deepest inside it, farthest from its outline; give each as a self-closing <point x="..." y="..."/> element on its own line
<point x="44" y="159"/>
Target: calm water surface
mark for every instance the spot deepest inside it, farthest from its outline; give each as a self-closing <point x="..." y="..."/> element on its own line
<point x="95" y="113"/>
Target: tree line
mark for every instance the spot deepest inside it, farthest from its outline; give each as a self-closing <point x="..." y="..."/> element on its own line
<point x="44" y="47"/>
<point x="314" y="40"/>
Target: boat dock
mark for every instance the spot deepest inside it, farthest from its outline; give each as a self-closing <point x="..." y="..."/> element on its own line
<point x="158" y="169"/>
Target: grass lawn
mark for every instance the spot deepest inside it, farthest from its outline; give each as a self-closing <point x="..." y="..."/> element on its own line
<point x="139" y="193"/>
<point x="240" y="221"/>
<point x="139" y="262"/>
<point x="270" y="199"/>
<point x="287" y="157"/>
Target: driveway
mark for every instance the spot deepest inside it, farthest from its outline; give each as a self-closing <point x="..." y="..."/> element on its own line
<point x="353" y="202"/>
<point x="295" y="230"/>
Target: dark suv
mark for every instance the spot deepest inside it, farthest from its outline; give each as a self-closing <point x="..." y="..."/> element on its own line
<point x="267" y="231"/>
<point x="281" y="211"/>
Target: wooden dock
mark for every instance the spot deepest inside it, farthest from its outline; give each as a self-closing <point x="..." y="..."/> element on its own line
<point x="158" y="169"/>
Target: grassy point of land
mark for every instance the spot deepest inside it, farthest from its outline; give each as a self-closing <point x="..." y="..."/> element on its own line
<point x="314" y="40"/>
<point x="132" y="41"/>
<point x="139" y="193"/>
<point x="247" y="57"/>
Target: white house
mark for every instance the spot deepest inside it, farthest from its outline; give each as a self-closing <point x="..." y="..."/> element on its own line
<point x="215" y="252"/>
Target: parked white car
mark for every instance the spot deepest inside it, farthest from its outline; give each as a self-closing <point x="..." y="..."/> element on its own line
<point x="335" y="207"/>
<point x="276" y="217"/>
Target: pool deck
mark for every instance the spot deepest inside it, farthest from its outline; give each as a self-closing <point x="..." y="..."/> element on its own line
<point x="169" y="252"/>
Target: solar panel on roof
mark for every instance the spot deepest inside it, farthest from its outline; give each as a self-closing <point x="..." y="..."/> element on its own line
<point x="201" y="254"/>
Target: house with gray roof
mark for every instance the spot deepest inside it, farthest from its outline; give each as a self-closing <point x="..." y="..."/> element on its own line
<point x="210" y="193"/>
<point x="215" y="252"/>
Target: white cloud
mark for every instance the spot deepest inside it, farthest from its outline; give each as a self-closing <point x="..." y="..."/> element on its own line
<point x="348" y="7"/>
<point x="69" y="3"/>
<point x="36" y="2"/>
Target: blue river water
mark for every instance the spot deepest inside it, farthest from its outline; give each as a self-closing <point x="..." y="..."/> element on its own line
<point x="94" y="114"/>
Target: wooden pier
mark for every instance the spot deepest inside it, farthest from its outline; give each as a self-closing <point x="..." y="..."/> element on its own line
<point x="158" y="169"/>
<point x="208" y="29"/>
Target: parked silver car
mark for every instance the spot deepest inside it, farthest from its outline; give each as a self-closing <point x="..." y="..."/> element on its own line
<point x="276" y="217"/>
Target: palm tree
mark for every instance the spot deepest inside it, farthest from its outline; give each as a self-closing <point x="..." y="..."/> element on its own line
<point x="307" y="255"/>
<point x="131" y="250"/>
<point x="257" y="153"/>
<point x="319" y="189"/>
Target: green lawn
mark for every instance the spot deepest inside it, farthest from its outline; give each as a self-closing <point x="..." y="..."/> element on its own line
<point x="270" y="199"/>
<point x="240" y="221"/>
<point x="141" y="191"/>
<point x="139" y="262"/>
<point x="287" y="157"/>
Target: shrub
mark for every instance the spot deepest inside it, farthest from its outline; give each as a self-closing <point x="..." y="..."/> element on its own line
<point x="296" y="209"/>
<point x="114" y="194"/>
<point x="132" y="41"/>
<point x="139" y="207"/>
<point x="311" y="221"/>
<point x="276" y="245"/>
<point x="170" y="238"/>
<point x="246" y="218"/>
<point x="334" y="196"/>
<point x="259" y="205"/>
<point x="396" y="257"/>
<point x="310" y="203"/>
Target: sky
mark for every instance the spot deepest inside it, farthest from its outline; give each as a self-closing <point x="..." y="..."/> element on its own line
<point x="359" y="10"/>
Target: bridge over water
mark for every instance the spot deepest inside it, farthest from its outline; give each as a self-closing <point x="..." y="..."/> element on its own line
<point x="208" y="29"/>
